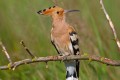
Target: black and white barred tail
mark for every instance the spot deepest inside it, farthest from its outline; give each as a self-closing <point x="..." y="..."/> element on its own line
<point x="71" y="71"/>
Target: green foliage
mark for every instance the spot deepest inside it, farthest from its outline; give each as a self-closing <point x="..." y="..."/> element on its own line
<point x="19" y="21"/>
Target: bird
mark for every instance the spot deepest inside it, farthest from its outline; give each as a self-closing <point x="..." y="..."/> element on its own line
<point x="64" y="38"/>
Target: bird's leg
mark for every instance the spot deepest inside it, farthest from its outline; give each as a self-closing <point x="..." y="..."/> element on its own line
<point x="64" y="56"/>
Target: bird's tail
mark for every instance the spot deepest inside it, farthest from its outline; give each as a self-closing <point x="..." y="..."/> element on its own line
<point x="72" y="70"/>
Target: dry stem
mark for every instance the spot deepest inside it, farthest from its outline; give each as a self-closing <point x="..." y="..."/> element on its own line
<point x="5" y="51"/>
<point x="28" y="51"/>
<point x="111" y="24"/>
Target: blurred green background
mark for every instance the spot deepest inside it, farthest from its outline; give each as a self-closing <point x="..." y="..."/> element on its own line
<point x="19" y="21"/>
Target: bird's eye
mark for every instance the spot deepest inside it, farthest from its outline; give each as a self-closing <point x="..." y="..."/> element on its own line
<point x="57" y="12"/>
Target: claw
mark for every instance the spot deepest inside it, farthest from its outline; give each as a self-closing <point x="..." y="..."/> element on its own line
<point x="64" y="57"/>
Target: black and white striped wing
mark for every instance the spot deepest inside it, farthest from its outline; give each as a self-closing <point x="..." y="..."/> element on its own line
<point x="74" y="42"/>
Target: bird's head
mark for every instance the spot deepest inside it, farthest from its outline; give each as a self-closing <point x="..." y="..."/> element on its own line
<point x="55" y="11"/>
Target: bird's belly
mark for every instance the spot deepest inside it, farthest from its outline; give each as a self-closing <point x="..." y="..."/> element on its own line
<point x="62" y="42"/>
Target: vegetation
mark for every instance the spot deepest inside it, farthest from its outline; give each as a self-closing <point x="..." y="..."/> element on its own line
<point x="19" y="21"/>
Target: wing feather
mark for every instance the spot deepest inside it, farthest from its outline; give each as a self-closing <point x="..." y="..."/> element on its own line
<point x="75" y="46"/>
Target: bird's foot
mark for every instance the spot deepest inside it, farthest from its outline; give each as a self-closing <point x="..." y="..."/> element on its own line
<point x="64" y="57"/>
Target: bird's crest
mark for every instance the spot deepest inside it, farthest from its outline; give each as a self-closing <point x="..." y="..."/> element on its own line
<point x="51" y="10"/>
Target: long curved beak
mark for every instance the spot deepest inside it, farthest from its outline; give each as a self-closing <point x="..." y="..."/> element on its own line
<point x="67" y="11"/>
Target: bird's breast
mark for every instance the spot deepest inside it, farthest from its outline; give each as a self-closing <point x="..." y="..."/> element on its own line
<point x="60" y="37"/>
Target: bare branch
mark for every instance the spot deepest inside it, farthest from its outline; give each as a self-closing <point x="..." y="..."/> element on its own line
<point x="5" y="51"/>
<point x="28" y="51"/>
<point x="59" y="58"/>
<point x="111" y="24"/>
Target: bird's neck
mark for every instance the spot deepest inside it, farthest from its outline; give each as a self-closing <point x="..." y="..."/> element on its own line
<point x="59" y="22"/>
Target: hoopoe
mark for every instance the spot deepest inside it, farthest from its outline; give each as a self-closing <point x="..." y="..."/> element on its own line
<point x="64" y="38"/>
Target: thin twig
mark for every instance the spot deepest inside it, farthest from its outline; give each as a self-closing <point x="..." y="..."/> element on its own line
<point x="6" y="53"/>
<point x="28" y="51"/>
<point x="59" y="58"/>
<point x="111" y="24"/>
